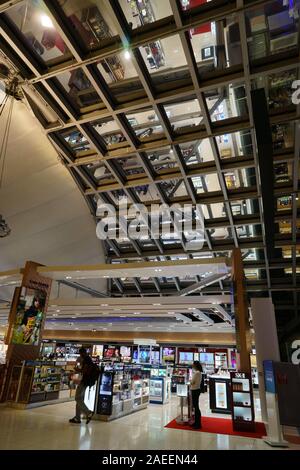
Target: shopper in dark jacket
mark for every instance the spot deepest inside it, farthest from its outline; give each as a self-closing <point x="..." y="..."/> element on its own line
<point x="85" y="367"/>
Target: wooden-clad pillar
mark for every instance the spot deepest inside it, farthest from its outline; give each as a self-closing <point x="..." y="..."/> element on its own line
<point x="242" y="324"/>
<point x="26" y="319"/>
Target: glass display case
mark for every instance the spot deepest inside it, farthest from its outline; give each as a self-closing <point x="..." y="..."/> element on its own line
<point x="37" y="382"/>
<point x="219" y="393"/>
<point x="180" y="376"/>
<point x="160" y="389"/>
<point x="242" y="402"/>
<point x="123" y="389"/>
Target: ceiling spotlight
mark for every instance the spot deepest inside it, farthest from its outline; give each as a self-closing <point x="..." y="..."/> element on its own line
<point x="127" y="54"/>
<point x="46" y="21"/>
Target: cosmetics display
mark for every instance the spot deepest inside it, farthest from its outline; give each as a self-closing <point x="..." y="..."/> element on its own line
<point x="242" y="401"/>
<point x="219" y="393"/>
<point x="160" y="390"/>
<point x="123" y="389"/>
<point x="37" y="382"/>
<point x="180" y="375"/>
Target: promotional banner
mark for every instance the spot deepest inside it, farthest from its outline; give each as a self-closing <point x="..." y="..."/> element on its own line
<point x="29" y="317"/>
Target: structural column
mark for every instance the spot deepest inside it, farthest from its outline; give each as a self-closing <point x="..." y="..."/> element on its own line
<point x="242" y="325"/>
<point x="266" y="342"/>
<point x="26" y="319"/>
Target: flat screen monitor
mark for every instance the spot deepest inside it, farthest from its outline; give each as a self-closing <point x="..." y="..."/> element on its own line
<point x="155" y="357"/>
<point x="168" y="354"/>
<point x="144" y="354"/>
<point x="135" y="354"/>
<point x="111" y="352"/>
<point x="97" y="350"/>
<point x="106" y="384"/>
<point x="125" y="352"/>
<point x="207" y="358"/>
<point x="186" y="357"/>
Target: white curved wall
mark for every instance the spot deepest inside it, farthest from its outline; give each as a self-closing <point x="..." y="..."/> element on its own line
<point x="48" y="216"/>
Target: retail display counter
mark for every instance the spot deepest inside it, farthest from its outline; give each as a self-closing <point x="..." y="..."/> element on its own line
<point x="37" y="383"/>
<point x="122" y="390"/>
<point x="219" y="394"/>
<point x="243" y="417"/>
<point x="160" y="390"/>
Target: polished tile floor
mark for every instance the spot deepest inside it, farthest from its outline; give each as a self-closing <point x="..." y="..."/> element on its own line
<point x="48" y="428"/>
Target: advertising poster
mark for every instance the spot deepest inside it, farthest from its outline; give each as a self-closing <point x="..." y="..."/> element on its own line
<point x="29" y="317"/>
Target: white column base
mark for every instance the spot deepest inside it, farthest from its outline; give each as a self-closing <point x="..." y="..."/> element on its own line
<point x="274" y="443"/>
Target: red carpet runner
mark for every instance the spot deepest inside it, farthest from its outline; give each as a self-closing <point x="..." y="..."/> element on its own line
<point x="220" y="426"/>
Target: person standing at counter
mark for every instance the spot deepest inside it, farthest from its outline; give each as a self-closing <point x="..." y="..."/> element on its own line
<point x="195" y="385"/>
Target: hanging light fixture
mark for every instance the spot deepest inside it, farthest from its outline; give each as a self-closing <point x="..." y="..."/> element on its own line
<point x="4" y="228"/>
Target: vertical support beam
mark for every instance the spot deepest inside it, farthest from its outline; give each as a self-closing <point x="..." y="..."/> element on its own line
<point x="264" y="323"/>
<point x="242" y="325"/>
<point x="265" y="162"/>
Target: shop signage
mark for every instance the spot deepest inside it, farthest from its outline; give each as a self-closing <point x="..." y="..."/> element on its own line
<point x="240" y="375"/>
<point x="295" y="357"/>
<point x="270" y="384"/>
<point x="296" y="93"/>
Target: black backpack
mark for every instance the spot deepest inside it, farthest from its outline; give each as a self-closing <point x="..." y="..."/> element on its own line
<point x="202" y="384"/>
<point x="92" y="375"/>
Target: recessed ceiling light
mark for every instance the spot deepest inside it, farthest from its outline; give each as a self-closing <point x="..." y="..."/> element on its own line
<point x="127" y="55"/>
<point x="58" y="311"/>
<point x="158" y="270"/>
<point x="46" y="21"/>
<point x="68" y="277"/>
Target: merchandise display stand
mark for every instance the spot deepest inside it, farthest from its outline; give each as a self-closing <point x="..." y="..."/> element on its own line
<point x="184" y="403"/>
<point x="123" y="389"/>
<point x="243" y="417"/>
<point x="219" y="394"/>
<point x="160" y="390"/>
<point x="39" y="383"/>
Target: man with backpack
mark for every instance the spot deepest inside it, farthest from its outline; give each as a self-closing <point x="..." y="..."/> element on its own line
<point x="90" y="373"/>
